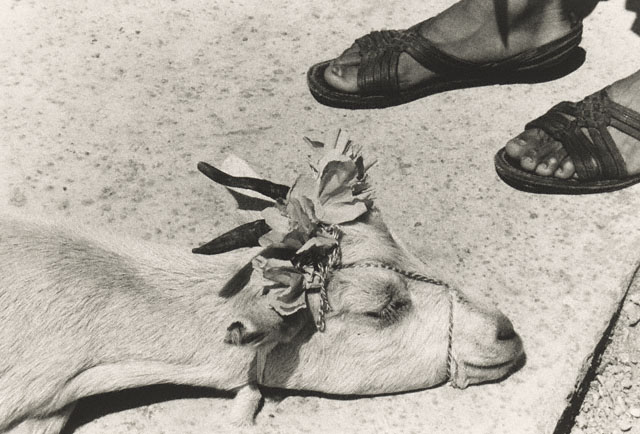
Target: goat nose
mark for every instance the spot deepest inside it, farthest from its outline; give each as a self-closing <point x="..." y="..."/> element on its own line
<point x="504" y="328"/>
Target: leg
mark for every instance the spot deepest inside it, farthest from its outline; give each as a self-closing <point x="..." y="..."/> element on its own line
<point x="478" y="31"/>
<point x="245" y="405"/>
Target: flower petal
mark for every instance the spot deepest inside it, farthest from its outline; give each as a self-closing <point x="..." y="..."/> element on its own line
<point x="335" y="178"/>
<point x="292" y="281"/>
<point x="282" y="272"/>
<point x="295" y="239"/>
<point x="271" y="239"/>
<point x="304" y="186"/>
<point x="301" y="217"/>
<point x="275" y="219"/>
<point x="286" y="308"/>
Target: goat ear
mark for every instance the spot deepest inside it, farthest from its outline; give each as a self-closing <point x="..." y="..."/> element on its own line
<point x="243" y="333"/>
<point x="237" y="282"/>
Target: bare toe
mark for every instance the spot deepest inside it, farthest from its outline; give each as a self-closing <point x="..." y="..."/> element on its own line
<point x="566" y="169"/>
<point x="548" y="164"/>
<point x="343" y="78"/>
<point x="516" y="147"/>
<point x="351" y="57"/>
<point x="546" y="168"/>
<point x="536" y="151"/>
<point x="524" y="141"/>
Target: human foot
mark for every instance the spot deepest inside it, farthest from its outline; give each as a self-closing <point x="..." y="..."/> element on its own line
<point x="468" y="30"/>
<point x="538" y="152"/>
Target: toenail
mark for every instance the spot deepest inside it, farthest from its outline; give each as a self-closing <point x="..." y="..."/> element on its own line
<point x="543" y="166"/>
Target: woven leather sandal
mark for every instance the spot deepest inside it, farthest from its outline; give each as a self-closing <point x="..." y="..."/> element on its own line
<point x="378" y="69"/>
<point x="597" y="160"/>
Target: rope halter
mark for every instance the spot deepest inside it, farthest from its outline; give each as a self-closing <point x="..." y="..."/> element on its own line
<point x="412" y="275"/>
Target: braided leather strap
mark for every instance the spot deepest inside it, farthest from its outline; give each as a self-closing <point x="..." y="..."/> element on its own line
<point x="380" y="52"/>
<point x="582" y="129"/>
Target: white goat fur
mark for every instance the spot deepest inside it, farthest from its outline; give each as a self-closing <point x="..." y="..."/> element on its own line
<point x="82" y="314"/>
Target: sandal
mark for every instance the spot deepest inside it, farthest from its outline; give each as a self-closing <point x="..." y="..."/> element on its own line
<point x="378" y="77"/>
<point x="598" y="164"/>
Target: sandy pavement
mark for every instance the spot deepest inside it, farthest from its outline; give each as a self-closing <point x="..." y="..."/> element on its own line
<point x="108" y="106"/>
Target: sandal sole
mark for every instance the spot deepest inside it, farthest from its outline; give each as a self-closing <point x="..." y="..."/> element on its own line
<point x="532" y="183"/>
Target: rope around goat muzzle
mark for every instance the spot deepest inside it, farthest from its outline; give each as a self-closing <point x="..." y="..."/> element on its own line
<point x="419" y="278"/>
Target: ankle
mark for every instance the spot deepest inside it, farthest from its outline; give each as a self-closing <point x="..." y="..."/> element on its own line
<point x="526" y="11"/>
<point x="533" y="19"/>
<point x="626" y="91"/>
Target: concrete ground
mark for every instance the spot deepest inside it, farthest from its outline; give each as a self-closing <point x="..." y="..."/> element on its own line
<point x="107" y="106"/>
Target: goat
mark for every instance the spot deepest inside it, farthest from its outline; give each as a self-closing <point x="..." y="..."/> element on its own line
<point x="82" y="314"/>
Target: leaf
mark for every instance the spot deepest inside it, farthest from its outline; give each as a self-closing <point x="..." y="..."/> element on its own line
<point x="313" y="143"/>
<point x="288" y="308"/>
<point x="291" y="240"/>
<point x="278" y="270"/>
<point x="319" y="243"/>
<point x="359" y="162"/>
<point x="287" y="276"/>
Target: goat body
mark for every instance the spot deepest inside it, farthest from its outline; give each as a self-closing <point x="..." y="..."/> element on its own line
<point x="84" y="315"/>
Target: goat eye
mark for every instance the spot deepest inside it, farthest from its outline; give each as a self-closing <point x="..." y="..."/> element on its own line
<point x="392" y="311"/>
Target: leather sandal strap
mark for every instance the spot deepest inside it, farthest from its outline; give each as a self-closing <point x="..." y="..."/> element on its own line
<point x="380" y="52"/>
<point x="379" y="55"/>
<point x="624" y="119"/>
<point x="436" y="60"/>
<point x="576" y="144"/>
<point x="595" y="155"/>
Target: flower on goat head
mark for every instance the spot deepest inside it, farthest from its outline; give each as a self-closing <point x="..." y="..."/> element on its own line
<point x="288" y="298"/>
<point x="306" y="222"/>
<point x="337" y="193"/>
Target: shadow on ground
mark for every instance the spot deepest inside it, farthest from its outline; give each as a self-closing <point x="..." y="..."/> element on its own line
<point x="97" y="406"/>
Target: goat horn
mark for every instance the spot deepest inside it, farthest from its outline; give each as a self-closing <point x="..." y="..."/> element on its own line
<point x="262" y="186"/>
<point x="246" y="235"/>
